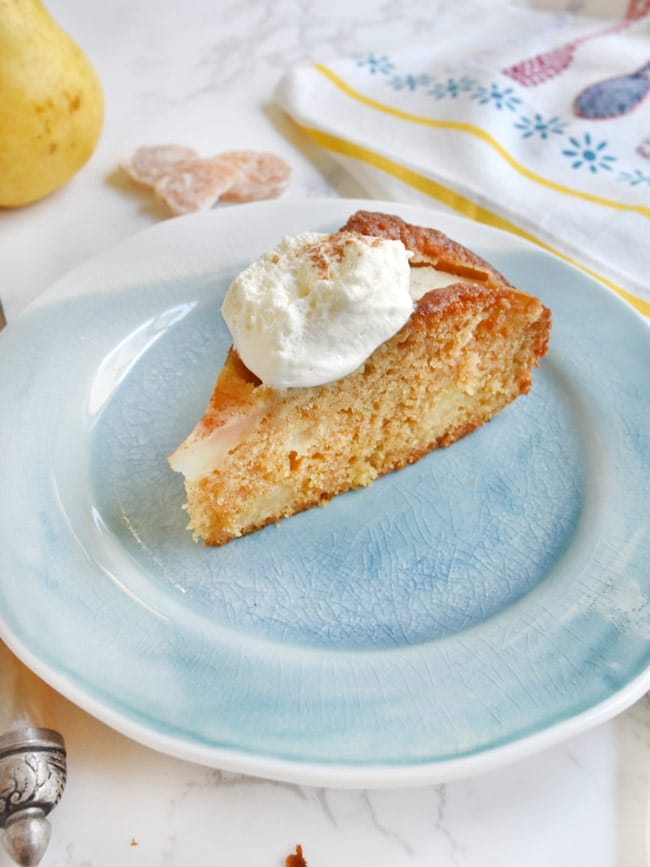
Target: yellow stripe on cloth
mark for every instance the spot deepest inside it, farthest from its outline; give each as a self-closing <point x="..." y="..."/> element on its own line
<point x="455" y="201"/>
<point x="461" y="126"/>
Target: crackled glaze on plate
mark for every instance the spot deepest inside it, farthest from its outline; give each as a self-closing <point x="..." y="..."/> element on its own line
<point x="482" y="602"/>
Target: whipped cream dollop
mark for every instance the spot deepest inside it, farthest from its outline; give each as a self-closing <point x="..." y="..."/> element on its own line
<point x="317" y="306"/>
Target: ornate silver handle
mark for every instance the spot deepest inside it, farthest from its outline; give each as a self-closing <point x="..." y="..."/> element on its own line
<point x="32" y="779"/>
<point x="33" y="772"/>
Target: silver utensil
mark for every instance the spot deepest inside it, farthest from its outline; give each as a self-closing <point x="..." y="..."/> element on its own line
<point x="33" y="770"/>
<point x="32" y="779"/>
<point x="32" y="762"/>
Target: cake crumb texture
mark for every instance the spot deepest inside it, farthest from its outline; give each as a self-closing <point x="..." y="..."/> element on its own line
<point x="466" y="352"/>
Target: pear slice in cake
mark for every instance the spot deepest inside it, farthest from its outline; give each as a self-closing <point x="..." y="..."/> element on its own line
<point x="262" y="453"/>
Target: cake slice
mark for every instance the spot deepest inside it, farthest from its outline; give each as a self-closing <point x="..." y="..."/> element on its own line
<point x="260" y="454"/>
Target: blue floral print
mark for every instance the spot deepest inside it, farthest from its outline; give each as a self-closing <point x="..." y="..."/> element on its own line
<point x="538" y="126"/>
<point x="410" y="82"/>
<point x="585" y="151"/>
<point x="452" y="87"/>
<point x="497" y="96"/>
<point x="635" y="178"/>
<point x="381" y="65"/>
<point x="589" y="154"/>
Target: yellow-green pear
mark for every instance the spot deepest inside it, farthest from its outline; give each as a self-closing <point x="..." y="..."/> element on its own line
<point x="51" y="104"/>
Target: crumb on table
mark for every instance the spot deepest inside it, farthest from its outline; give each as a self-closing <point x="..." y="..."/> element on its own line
<point x="296" y="860"/>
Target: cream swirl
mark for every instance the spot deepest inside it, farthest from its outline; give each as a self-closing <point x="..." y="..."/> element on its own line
<point x="317" y="306"/>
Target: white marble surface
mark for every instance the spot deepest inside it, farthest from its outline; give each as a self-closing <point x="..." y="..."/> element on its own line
<point x="202" y="73"/>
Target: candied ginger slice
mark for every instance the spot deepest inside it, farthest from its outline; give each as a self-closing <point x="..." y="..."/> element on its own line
<point x="258" y="175"/>
<point x="194" y="185"/>
<point x="147" y="164"/>
<point x="185" y="182"/>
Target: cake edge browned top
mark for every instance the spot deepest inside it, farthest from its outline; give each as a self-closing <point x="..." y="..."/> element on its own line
<point x="428" y="246"/>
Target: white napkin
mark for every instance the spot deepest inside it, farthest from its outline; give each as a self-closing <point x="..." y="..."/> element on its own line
<point x="484" y="121"/>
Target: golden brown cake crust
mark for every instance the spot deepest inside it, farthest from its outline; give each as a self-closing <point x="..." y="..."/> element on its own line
<point x="429" y="246"/>
<point x="466" y="352"/>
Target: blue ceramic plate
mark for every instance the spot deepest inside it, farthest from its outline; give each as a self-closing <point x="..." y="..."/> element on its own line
<point x="485" y="602"/>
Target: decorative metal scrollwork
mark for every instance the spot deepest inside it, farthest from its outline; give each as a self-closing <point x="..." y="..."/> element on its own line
<point x="32" y="779"/>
